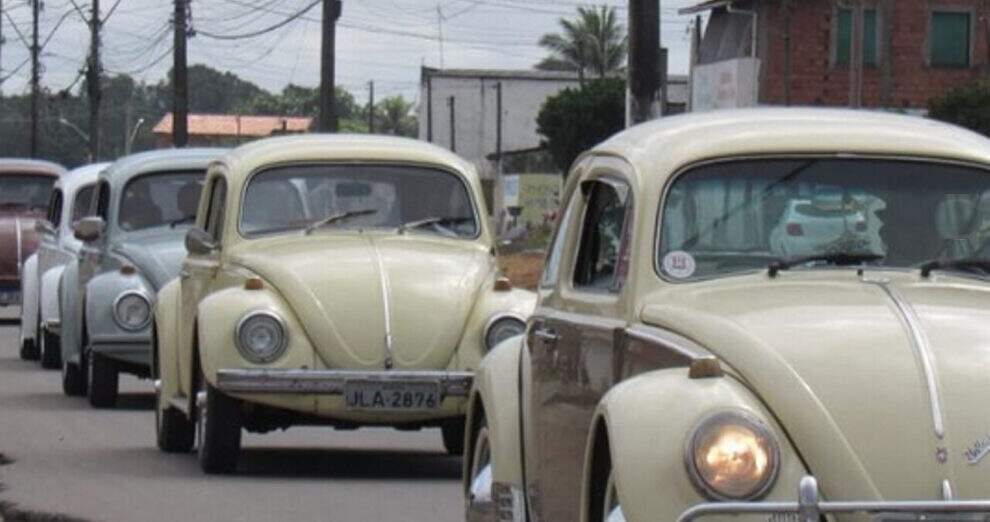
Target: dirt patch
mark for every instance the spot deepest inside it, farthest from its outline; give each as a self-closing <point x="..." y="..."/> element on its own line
<point x="523" y="268"/>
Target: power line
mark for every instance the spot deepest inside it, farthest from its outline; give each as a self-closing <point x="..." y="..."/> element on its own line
<point x="260" y="32"/>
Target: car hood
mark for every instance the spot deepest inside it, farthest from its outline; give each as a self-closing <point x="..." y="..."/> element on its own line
<point x="158" y="255"/>
<point x="840" y="359"/>
<point x="13" y="254"/>
<point x="351" y="290"/>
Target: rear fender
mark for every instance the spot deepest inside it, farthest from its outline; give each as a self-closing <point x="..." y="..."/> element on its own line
<point x="515" y="302"/>
<point x="49" y="294"/>
<point x="647" y="421"/>
<point x="167" y="312"/>
<point x="70" y="311"/>
<point x="29" y="299"/>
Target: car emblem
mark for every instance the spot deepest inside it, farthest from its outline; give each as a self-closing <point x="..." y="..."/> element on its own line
<point x="979" y="450"/>
<point x="942" y="455"/>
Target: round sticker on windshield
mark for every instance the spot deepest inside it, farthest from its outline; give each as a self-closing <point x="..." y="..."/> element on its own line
<point x="679" y="265"/>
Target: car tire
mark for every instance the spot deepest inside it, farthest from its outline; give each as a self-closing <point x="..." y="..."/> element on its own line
<point x="29" y="350"/>
<point x="51" y="350"/>
<point x="174" y="431"/>
<point x="103" y="381"/>
<point x="218" y="431"/>
<point x="453" y="435"/>
<point x="74" y="378"/>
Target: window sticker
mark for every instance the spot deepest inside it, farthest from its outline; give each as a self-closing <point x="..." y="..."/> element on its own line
<point x="679" y="264"/>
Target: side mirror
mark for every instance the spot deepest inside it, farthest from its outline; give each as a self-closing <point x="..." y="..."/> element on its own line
<point x="89" y="229"/>
<point x="43" y="226"/>
<point x="199" y="242"/>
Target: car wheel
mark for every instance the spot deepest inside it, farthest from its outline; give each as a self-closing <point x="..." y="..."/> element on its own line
<point x="218" y="430"/>
<point x="478" y="504"/>
<point x="74" y="378"/>
<point x="29" y="350"/>
<point x="103" y="381"/>
<point x="611" y="508"/>
<point x="51" y="350"/>
<point x="453" y="436"/>
<point x="174" y="431"/>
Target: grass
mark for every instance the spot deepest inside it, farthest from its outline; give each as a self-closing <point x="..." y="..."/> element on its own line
<point x="522" y="268"/>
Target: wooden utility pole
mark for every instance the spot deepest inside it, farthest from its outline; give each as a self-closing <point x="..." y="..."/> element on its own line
<point x="35" y="75"/>
<point x="453" y="126"/>
<point x="856" y="57"/>
<point x="498" y="128"/>
<point x="1" y="55"/>
<point x="93" y="73"/>
<point x="644" y="58"/>
<point x="429" y="106"/>
<point x="180" y="77"/>
<point x="328" y="116"/>
<point x="371" y="107"/>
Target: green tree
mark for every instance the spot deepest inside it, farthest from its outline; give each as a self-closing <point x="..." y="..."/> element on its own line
<point x="393" y="115"/>
<point x="576" y="120"/>
<point x="967" y="106"/>
<point x="594" y="43"/>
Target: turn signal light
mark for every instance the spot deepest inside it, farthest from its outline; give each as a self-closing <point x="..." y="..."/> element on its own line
<point x="795" y="229"/>
<point x="128" y="270"/>
<point x="502" y="284"/>
<point x="253" y="284"/>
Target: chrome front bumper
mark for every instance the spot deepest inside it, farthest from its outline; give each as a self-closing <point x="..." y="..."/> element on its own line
<point x="810" y="508"/>
<point x="331" y="382"/>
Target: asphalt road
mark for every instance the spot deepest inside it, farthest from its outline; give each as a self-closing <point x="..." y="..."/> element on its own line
<point x="104" y="466"/>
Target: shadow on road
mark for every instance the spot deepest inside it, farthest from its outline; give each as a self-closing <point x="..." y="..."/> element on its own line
<point x="348" y="464"/>
<point x="136" y="401"/>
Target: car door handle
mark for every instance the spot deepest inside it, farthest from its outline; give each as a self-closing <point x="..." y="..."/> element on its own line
<point x="546" y="335"/>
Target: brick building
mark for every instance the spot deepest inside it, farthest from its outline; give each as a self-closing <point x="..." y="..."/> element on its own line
<point x="861" y="53"/>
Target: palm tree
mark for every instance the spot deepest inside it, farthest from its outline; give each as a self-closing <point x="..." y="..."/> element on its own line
<point x="593" y="43"/>
<point x="394" y="116"/>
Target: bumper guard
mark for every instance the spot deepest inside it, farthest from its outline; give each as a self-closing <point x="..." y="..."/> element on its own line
<point x="810" y="508"/>
<point x="331" y="382"/>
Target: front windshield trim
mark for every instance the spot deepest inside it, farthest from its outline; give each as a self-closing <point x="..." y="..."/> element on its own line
<point x="344" y="162"/>
<point x="717" y="160"/>
<point x="118" y="195"/>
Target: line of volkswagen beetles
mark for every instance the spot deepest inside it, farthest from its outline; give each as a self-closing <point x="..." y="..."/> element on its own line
<point x="757" y="314"/>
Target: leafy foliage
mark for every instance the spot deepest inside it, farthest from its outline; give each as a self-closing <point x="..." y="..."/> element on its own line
<point x="576" y="120"/>
<point x="594" y="43"/>
<point x="967" y="106"/>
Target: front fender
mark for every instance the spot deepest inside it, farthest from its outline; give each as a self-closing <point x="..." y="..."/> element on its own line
<point x="101" y="293"/>
<point x="70" y="310"/>
<point x="647" y="421"/>
<point x="29" y="299"/>
<point x="516" y="302"/>
<point x="165" y="366"/>
<point x="495" y="394"/>
<point x="48" y="294"/>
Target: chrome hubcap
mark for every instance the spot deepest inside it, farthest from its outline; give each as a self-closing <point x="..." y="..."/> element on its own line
<point x="612" y="511"/>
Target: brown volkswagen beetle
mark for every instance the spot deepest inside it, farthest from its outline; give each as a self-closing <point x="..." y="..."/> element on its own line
<point x="25" y="188"/>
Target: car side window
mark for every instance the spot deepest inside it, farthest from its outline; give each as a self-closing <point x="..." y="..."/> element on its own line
<point x="83" y="203"/>
<point x="603" y="254"/>
<point x="55" y="208"/>
<point x="217" y="207"/>
<point x="552" y="266"/>
<point x="103" y="201"/>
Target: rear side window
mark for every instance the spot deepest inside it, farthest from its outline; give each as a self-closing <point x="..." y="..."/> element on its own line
<point x="103" y="200"/>
<point x="603" y="256"/>
<point x="55" y="208"/>
<point x="83" y="203"/>
<point x="217" y="208"/>
<point x="552" y="266"/>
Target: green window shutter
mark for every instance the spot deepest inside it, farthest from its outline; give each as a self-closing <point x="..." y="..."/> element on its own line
<point x="870" y="37"/>
<point x="950" y="39"/>
<point x="843" y="36"/>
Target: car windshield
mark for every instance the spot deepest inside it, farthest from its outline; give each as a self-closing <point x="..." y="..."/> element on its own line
<point x="353" y="196"/>
<point x="160" y="199"/>
<point x="25" y="190"/>
<point x="741" y="215"/>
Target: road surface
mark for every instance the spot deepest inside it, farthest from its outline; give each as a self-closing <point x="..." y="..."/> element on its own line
<point x="104" y="466"/>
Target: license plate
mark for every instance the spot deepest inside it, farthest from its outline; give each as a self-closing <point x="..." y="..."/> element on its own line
<point x="394" y="396"/>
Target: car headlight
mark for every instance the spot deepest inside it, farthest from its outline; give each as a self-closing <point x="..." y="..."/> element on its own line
<point x="732" y="455"/>
<point x="261" y="337"/>
<point x="132" y="310"/>
<point x="501" y="328"/>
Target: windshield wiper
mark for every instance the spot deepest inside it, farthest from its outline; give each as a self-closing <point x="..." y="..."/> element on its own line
<point x="982" y="264"/>
<point x="835" y="258"/>
<point x="182" y="221"/>
<point x="435" y="220"/>
<point x="337" y="217"/>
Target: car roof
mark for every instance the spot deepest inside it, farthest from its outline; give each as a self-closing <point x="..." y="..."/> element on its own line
<point x="30" y="166"/>
<point x="80" y="176"/>
<point x="160" y="160"/>
<point x="246" y="159"/>
<point x="659" y="148"/>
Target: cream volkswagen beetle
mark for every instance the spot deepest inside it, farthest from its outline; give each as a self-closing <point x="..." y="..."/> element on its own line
<point x="681" y="366"/>
<point x="337" y="280"/>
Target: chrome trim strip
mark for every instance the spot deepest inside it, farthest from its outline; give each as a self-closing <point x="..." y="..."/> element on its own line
<point x="331" y="382"/>
<point x="810" y="507"/>
<point x="673" y="342"/>
<point x="383" y="281"/>
<point x="947" y="490"/>
<point x="922" y="349"/>
<point x="20" y="247"/>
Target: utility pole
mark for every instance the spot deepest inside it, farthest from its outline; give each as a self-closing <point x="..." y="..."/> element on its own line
<point x="856" y="57"/>
<point x="328" y="116"/>
<point x="1" y="56"/>
<point x="453" y="127"/>
<point x="429" y="106"/>
<point x="35" y="75"/>
<point x="93" y="74"/>
<point x="440" y="33"/>
<point x="644" y="59"/>
<point x="498" y="129"/>
<point x="180" y="77"/>
<point x="371" y="107"/>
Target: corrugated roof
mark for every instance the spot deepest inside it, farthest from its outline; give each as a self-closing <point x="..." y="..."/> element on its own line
<point x="704" y="6"/>
<point x="505" y="74"/>
<point x="235" y="125"/>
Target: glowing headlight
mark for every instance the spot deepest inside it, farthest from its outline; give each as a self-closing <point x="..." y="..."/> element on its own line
<point x="132" y="310"/>
<point x="733" y="456"/>
<point x="261" y="337"/>
<point x="502" y="328"/>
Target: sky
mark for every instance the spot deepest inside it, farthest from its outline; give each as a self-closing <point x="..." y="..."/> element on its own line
<point x="386" y="41"/>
